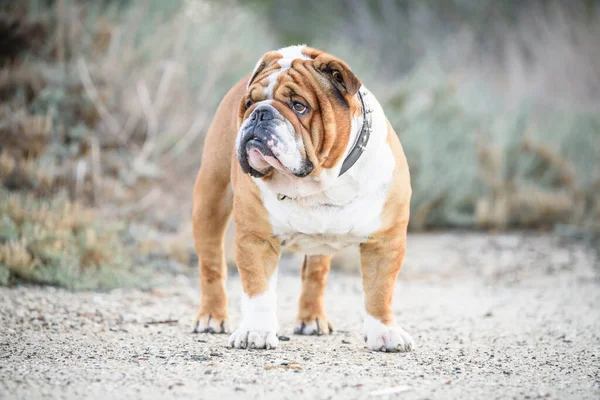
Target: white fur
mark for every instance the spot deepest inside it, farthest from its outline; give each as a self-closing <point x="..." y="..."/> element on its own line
<point x="307" y="329"/>
<point x="212" y="324"/>
<point x="328" y="213"/>
<point x="312" y="328"/>
<point x="291" y="53"/>
<point x="268" y="91"/>
<point x="287" y="147"/>
<point x="259" y="320"/>
<point x="288" y="54"/>
<point x="381" y="337"/>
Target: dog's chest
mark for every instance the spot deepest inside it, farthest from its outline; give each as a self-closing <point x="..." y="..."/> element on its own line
<point x="325" y="229"/>
<point x="347" y="212"/>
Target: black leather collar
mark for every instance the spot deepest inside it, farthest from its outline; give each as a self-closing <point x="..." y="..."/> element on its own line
<point x="361" y="141"/>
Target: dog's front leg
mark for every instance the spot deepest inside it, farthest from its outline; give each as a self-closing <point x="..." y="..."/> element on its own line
<point x="381" y="260"/>
<point x="257" y="257"/>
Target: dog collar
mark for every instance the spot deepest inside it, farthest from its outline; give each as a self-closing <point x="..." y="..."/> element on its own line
<point x="360" y="145"/>
<point x="363" y="137"/>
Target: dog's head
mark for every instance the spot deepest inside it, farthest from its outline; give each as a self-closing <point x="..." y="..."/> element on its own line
<point x="296" y="118"/>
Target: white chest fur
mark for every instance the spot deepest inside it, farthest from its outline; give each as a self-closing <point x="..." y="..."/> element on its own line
<point x="348" y="210"/>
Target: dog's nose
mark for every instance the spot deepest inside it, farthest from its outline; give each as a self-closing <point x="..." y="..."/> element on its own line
<point x="263" y="114"/>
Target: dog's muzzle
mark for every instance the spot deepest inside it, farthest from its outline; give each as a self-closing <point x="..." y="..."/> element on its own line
<point x="260" y="134"/>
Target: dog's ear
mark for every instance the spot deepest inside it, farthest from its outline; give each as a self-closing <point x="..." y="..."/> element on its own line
<point x="266" y="60"/>
<point x="339" y="73"/>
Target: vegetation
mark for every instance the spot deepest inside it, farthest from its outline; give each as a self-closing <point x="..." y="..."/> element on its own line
<point x="100" y="105"/>
<point x="499" y="130"/>
<point x="103" y="107"/>
<point x="55" y="241"/>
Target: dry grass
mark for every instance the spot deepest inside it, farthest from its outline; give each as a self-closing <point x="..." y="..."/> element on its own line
<point x="100" y="112"/>
<point x="58" y="242"/>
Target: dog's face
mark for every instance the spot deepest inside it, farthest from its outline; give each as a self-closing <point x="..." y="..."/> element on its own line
<point x="296" y="119"/>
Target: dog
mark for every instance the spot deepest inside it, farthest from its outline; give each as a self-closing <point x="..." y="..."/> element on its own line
<point x="303" y="156"/>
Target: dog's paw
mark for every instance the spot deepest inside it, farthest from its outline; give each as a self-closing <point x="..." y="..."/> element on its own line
<point x="206" y="323"/>
<point x="381" y="337"/>
<point x="313" y="326"/>
<point x="244" y="338"/>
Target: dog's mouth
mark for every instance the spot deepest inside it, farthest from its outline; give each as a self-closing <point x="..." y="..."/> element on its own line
<point x="259" y="159"/>
<point x="261" y="153"/>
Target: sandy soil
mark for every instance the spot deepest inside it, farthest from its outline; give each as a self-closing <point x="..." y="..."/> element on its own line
<point x="511" y="316"/>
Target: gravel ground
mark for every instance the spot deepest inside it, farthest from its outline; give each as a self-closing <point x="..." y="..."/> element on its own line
<point x="510" y="316"/>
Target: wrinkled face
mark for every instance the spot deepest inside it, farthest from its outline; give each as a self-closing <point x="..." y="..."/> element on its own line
<point x="296" y="117"/>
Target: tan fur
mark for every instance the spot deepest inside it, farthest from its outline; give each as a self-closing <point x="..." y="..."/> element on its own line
<point x="257" y="249"/>
<point x="383" y="254"/>
<point x="325" y="134"/>
<point x="311" y="306"/>
<point x="212" y="207"/>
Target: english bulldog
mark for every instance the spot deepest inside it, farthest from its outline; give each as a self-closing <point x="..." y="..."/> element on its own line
<point x="304" y="157"/>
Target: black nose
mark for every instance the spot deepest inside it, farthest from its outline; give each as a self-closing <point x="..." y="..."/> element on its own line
<point x="262" y="114"/>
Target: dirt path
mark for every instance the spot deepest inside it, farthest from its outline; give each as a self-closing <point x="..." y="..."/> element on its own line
<point x="494" y="317"/>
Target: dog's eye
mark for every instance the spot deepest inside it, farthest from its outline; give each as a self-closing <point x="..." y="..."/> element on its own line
<point x="248" y="103"/>
<point x="299" y="107"/>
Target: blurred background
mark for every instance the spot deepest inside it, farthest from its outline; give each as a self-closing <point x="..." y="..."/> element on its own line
<point x="104" y="106"/>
